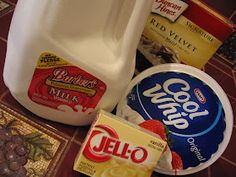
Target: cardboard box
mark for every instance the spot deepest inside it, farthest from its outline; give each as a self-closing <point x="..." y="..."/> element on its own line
<point x="191" y="38"/>
<point x="115" y="146"/>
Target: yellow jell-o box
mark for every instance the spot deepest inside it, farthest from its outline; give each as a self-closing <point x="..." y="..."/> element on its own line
<point x="115" y="147"/>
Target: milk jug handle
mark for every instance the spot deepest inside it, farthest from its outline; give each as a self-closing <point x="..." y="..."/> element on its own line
<point x="135" y="26"/>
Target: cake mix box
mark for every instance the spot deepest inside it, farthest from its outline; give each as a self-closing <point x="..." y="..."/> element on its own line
<point x="177" y="31"/>
<point x="114" y="146"/>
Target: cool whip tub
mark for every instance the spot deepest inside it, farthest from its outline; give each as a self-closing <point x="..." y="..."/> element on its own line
<point x="185" y="107"/>
<point x="112" y="149"/>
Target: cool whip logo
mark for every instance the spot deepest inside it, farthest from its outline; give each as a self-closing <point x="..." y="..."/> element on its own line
<point x="104" y="143"/>
<point x="172" y="99"/>
<point x="170" y="9"/>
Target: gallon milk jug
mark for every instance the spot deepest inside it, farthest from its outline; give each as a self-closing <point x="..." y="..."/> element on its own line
<point x="67" y="59"/>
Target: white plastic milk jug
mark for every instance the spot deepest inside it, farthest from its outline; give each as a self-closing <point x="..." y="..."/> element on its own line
<point x="67" y="59"/>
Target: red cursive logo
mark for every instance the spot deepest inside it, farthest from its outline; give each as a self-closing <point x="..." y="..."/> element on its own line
<point x="109" y="145"/>
<point x="62" y="75"/>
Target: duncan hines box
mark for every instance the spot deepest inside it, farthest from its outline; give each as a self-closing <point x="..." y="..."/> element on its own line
<point x="114" y="147"/>
<point x="181" y="32"/>
<point x="186" y="108"/>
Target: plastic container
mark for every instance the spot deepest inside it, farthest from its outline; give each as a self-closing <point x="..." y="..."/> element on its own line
<point x="193" y="107"/>
<point x="65" y="59"/>
<point x="120" y="154"/>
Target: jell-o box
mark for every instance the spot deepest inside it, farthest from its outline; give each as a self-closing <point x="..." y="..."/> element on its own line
<point x="115" y="146"/>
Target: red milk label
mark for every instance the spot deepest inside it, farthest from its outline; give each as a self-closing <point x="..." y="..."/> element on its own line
<point x="56" y="83"/>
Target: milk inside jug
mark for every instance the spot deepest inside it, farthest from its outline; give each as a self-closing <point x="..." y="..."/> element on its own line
<point x="67" y="59"/>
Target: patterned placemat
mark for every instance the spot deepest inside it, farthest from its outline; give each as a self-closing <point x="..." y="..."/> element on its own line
<point x="5" y="7"/>
<point x="227" y="52"/>
<point x="26" y="147"/>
